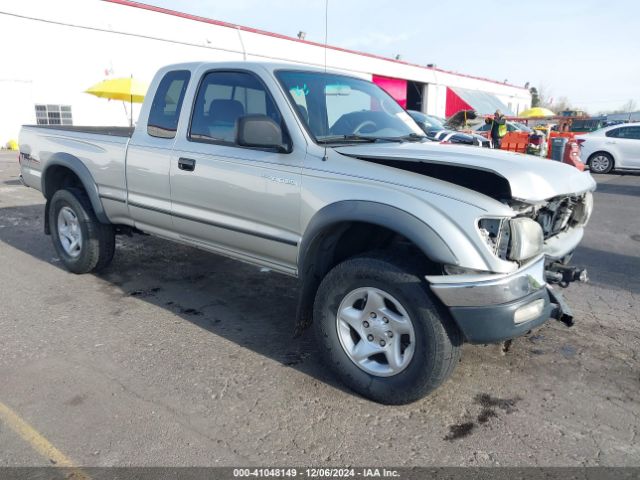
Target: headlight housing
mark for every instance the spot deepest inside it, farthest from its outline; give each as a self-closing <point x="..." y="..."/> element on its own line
<point x="496" y="233"/>
<point x="583" y="210"/>
<point x="527" y="239"/>
<point x="512" y="239"/>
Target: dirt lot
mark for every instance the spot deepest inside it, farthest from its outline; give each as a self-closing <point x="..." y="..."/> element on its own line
<point x="178" y="357"/>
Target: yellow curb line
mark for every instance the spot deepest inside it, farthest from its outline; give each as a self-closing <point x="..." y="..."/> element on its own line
<point x="38" y="442"/>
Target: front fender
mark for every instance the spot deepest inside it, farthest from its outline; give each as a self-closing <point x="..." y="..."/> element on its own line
<point x="401" y="222"/>
<point x="313" y="264"/>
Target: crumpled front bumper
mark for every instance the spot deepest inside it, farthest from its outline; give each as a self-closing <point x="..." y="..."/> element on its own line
<point x="495" y="307"/>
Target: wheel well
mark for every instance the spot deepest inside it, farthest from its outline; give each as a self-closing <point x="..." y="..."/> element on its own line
<point x="59" y="177"/>
<point x="56" y="178"/>
<point x="600" y="152"/>
<point x="340" y="242"/>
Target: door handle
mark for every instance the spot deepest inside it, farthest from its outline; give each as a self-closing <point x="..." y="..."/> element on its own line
<point x="187" y="164"/>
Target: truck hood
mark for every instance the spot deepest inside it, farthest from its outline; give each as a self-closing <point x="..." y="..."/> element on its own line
<point x="530" y="179"/>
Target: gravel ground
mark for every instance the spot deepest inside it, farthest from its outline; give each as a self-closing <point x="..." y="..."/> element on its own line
<point x="176" y="357"/>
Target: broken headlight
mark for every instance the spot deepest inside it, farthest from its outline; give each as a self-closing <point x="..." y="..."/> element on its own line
<point x="512" y="239"/>
<point x="583" y="210"/>
<point x="496" y="234"/>
<point x="527" y="239"/>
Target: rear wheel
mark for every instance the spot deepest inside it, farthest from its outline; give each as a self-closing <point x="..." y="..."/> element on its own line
<point x="382" y="332"/>
<point x="80" y="240"/>
<point x="601" y="162"/>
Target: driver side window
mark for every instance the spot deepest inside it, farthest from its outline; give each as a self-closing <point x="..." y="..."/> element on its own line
<point x="223" y="98"/>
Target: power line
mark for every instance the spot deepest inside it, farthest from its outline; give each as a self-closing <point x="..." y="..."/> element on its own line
<point x="160" y="39"/>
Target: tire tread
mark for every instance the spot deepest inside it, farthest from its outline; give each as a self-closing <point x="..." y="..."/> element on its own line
<point x="447" y="337"/>
<point x="100" y="244"/>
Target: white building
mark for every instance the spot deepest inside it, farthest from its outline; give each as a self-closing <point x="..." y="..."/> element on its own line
<point x="54" y="50"/>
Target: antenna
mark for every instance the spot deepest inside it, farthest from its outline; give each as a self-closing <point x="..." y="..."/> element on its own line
<point x="326" y="32"/>
<point x="326" y="35"/>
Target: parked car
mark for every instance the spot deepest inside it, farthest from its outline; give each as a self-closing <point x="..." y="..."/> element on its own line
<point x="404" y="248"/>
<point x="485" y="128"/>
<point x="436" y="130"/>
<point x="522" y="127"/>
<point x="612" y="148"/>
<point x="611" y="123"/>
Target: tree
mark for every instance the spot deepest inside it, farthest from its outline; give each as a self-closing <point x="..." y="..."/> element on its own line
<point x="561" y="104"/>
<point x="629" y="106"/>
<point x="545" y="98"/>
<point x="542" y="96"/>
<point x="535" y="98"/>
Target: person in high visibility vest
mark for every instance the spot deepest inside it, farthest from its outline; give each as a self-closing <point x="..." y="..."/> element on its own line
<point x="498" y="128"/>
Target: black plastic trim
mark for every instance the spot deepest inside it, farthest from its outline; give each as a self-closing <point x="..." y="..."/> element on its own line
<point x="83" y="173"/>
<point x="494" y="323"/>
<point x="109" y="197"/>
<point x="217" y="225"/>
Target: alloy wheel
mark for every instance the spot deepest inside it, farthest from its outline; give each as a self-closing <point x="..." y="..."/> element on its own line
<point x="375" y="331"/>
<point x="600" y="163"/>
<point x="69" y="232"/>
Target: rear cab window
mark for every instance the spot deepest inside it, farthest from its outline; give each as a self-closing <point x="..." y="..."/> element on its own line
<point x="167" y="103"/>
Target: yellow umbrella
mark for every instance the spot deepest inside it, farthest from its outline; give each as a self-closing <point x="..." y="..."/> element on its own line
<point x="125" y="89"/>
<point x="537" y="112"/>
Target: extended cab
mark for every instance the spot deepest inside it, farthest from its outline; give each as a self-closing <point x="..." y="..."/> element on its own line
<point x="405" y="248"/>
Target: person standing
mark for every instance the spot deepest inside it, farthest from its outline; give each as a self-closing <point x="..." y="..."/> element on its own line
<point x="498" y="128"/>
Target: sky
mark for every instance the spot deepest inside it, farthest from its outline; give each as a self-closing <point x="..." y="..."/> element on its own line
<point x="585" y="50"/>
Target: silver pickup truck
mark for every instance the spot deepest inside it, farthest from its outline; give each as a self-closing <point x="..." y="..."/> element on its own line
<point x="405" y="248"/>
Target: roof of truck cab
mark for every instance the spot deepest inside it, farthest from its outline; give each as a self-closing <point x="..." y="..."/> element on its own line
<point x="252" y="65"/>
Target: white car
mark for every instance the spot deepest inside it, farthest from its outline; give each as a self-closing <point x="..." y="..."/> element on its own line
<point x="611" y="148"/>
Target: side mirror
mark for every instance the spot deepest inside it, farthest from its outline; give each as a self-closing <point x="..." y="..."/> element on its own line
<point x="260" y="131"/>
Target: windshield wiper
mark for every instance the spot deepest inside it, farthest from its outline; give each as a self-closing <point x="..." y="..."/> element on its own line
<point x="413" y="137"/>
<point x="365" y="138"/>
<point x="347" y="138"/>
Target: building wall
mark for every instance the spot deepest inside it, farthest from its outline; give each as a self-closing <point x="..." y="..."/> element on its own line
<point x="68" y="45"/>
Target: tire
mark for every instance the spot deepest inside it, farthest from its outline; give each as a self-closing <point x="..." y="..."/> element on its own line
<point x="436" y="340"/>
<point x="601" y="162"/>
<point x="71" y="216"/>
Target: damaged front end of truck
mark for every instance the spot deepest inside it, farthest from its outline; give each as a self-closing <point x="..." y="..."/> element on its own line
<point x="549" y="207"/>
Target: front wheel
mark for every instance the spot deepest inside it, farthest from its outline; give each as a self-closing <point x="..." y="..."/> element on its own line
<point x="601" y="162"/>
<point x="80" y="240"/>
<point x="382" y="332"/>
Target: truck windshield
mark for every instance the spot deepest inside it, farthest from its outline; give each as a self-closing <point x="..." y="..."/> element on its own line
<point x="338" y="109"/>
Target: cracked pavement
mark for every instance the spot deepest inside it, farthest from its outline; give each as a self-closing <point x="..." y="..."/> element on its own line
<point x="176" y="357"/>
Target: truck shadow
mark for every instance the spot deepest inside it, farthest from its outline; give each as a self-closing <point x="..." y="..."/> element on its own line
<point x="252" y="307"/>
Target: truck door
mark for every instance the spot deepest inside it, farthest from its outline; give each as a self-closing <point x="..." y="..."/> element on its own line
<point x="149" y="155"/>
<point x="244" y="202"/>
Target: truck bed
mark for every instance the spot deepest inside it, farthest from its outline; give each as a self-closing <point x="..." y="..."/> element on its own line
<point x="112" y="131"/>
<point x="102" y="150"/>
